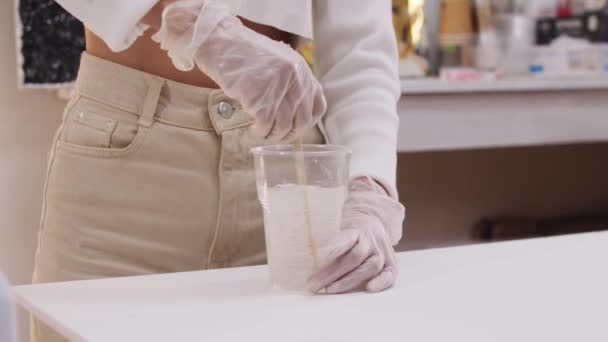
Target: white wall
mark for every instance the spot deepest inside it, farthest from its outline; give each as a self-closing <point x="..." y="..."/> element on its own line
<point x="28" y="120"/>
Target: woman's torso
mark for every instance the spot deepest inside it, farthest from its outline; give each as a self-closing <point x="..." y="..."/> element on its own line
<point x="145" y="55"/>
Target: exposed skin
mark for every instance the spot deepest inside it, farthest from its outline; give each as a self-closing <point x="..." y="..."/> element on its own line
<point x="146" y="55"/>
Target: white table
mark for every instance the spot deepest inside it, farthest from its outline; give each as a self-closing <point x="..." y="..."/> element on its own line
<point x="553" y="289"/>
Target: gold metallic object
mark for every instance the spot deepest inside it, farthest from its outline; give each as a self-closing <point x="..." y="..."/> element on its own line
<point x="408" y="19"/>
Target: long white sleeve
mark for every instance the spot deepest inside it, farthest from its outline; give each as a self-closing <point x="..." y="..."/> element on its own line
<point x="115" y="21"/>
<point x="356" y="61"/>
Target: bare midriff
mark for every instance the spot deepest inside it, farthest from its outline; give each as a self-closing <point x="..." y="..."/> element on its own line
<point x="145" y="55"/>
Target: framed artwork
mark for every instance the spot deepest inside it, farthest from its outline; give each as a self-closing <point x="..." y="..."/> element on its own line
<point x="49" y="44"/>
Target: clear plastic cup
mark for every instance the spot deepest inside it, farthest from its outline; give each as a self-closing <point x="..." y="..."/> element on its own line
<point x="302" y="210"/>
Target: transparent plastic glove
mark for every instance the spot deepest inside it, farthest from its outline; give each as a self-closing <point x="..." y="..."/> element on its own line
<point x="362" y="255"/>
<point x="270" y="79"/>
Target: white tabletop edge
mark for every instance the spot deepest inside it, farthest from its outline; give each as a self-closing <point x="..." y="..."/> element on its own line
<point x="21" y="298"/>
<point x="43" y="316"/>
<point x="17" y="290"/>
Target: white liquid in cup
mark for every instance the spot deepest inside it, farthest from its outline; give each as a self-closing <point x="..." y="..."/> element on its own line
<point x="287" y="240"/>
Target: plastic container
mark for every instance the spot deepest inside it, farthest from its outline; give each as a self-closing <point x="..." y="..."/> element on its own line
<point x="302" y="210"/>
<point x="516" y="38"/>
<point x="570" y="57"/>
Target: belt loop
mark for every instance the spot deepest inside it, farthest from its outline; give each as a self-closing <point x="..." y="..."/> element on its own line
<point x="151" y="102"/>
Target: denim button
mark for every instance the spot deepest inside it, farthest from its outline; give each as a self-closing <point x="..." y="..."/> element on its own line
<point x="225" y="110"/>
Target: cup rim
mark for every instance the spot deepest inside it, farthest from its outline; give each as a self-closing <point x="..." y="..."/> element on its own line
<point x="307" y="150"/>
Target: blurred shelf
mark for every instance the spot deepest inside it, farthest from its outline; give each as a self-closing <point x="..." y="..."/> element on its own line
<point x="425" y="86"/>
<point x="436" y="122"/>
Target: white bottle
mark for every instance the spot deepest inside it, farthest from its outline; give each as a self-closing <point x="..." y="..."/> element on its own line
<point x="541" y="8"/>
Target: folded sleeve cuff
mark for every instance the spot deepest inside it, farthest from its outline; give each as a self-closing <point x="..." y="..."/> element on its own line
<point x="114" y="21"/>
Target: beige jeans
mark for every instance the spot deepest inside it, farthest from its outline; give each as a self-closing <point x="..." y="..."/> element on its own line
<point x="147" y="176"/>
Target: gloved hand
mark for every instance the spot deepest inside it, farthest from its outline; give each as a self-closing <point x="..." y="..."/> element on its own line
<point x="362" y="254"/>
<point x="270" y="79"/>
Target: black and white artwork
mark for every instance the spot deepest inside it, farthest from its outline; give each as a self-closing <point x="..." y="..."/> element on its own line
<point x="49" y="44"/>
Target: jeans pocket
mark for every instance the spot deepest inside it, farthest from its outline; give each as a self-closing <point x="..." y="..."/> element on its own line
<point x="94" y="128"/>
